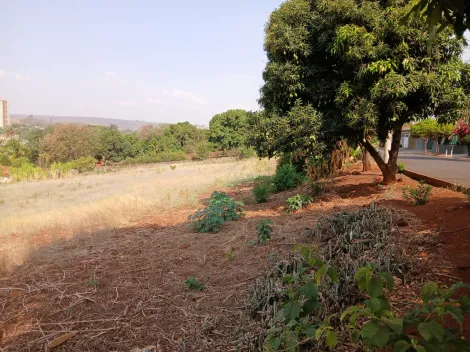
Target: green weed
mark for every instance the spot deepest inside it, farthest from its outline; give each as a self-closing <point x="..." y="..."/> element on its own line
<point x="193" y="283"/>
<point x="419" y="195"/>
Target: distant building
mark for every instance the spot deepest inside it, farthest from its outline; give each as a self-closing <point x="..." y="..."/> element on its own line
<point x="4" y="114"/>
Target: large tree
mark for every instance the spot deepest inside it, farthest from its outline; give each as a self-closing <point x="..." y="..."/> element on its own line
<point x="365" y="72"/>
<point x="228" y="129"/>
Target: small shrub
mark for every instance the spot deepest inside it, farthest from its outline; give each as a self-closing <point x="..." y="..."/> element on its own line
<point x="4" y="160"/>
<point x="193" y="283"/>
<point x="2" y="202"/>
<point x="93" y="283"/>
<point x="297" y="202"/>
<point x="264" y="230"/>
<point x="316" y="189"/>
<point x="229" y="254"/>
<point x="286" y="177"/>
<point x="84" y="164"/>
<point x="261" y="192"/>
<point x="400" y="168"/>
<point x="18" y="162"/>
<point x="172" y="167"/>
<point x="419" y="195"/>
<point x="221" y="208"/>
<point x="245" y="152"/>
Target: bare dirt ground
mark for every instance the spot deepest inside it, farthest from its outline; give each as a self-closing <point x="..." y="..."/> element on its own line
<point x="121" y="289"/>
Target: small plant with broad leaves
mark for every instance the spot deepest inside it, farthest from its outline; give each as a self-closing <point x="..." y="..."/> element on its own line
<point x="298" y="202"/>
<point x="419" y="195"/>
<point x="221" y="208"/>
<point x="400" y="168"/>
<point x="193" y="283"/>
<point x="424" y="328"/>
<point x="264" y="230"/>
<point x="295" y="322"/>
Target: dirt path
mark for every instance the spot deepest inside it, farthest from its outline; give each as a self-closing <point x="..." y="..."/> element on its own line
<point x="124" y="288"/>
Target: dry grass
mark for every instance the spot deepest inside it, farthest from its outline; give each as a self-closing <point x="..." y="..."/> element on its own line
<point x="112" y="200"/>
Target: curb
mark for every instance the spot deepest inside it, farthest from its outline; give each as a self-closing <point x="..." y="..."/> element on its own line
<point x="435" y="181"/>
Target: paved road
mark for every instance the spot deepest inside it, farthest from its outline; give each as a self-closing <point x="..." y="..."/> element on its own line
<point x="453" y="170"/>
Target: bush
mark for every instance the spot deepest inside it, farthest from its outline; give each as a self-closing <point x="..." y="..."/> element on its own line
<point x="316" y="189"/>
<point x="27" y="172"/>
<point x="299" y="162"/>
<point x="264" y="230"/>
<point x="261" y="192"/>
<point x="419" y="195"/>
<point x="400" y="168"/>
<point x="4" y="160"/>
<point x="84" y="164"/>
<point x="59" y="169"/>
<point x="286" y="177"/>
<point x="221" y="208"/>
<point x="246" y="152"/>
<point x="297" y="202"/>
<point x="20" y="161"/>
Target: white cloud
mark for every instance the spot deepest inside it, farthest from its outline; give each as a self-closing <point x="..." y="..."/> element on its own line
<point x="2" y="73"/>
<point x="125" y="102"/>
<point x="109" y="73"/>
<point x="188" y="96"/>
<point x="18" y="77"/>
<point x="154" y="101"/>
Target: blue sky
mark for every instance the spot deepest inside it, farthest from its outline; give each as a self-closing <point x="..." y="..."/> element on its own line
<point x="158" y="61"/>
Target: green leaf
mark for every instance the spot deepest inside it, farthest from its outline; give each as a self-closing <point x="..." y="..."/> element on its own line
<point x="362" y="272"/>
<point x="331" y="339"/>
<point x="349" y="310"/>
<point x="309" y="331"/>
<point x="382" y="337"/>
<point x="420" y="349"/>
<point x="309" y="290"/>
<point x="275" y="343"/>
<point x="374" y="335"/>
<point x="389" y="280"/>
<point x="355" y="335"/>
<point x="291" y="310"/>
<point x="373" y="304"/>
<point x="374" y="287"/>
<point x="401" y="346"/>
<point x="370" y="329"/>
<point x="320" y="273"/>
<point x="333" y="274"/>
<point x="431" y="330"/>
<point x="396" y="324"/>
<point x="429" y="289"/>
<point x="456" y="312"/>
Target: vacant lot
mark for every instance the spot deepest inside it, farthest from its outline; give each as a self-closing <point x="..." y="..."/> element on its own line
<point x="123" y="288"/>
<point x="64" y="207"/>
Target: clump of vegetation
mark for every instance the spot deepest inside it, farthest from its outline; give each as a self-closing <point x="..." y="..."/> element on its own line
<point x="84" y="164"/>
<point x="298" y="202"/>
<point x="221" y="208"/>
<point x="172" y="167"/>
<point x="192" y="283"/>
<point x="93" y="283"/>
<point x="419" y="195"/>
<point x="261" y="190"/>
<point x="355" y="154"/>
<point x="229" y="254"/>
<point x="295" y="300"/>
<point x="286" y="177"/>
<point x="316" y="189"/>
<point x="400" y="168"/>
<point x="468" y="196"/>
<point x="264" y="230"/>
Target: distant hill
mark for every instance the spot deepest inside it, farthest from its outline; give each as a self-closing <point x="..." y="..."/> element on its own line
<point x="43" y="120"/>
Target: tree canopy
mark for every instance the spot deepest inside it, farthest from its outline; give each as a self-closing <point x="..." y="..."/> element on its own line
<point x="365" y="72"/>
<point x="228" y="129"/>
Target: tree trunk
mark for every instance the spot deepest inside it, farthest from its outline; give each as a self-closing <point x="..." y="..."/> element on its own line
<point x="425" y="145"/>
<point x="436" y="140"/>
<point x="366" y="163"/>
<point x="389" y="169"/>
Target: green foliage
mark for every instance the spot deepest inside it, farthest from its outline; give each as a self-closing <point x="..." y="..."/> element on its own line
<point x="172" y="167"/>
<point x="228" y="129"/>
<point x="246" y="152"/>
<point x="419" y="195"/>
<point x="400" y="168"/>
<point x="229" y="254"/>
<point x="286" y="177"/>
<point x="298" y="202"/>
<point x="17" y="162"/>
<point x="261" y="191"/>
<point x="355" y="153"/>
<point x="264" y="230"/>
<point x="59" y="169"/>
<point x="84" y="164"/>
<point x="316" y="189"/>
<point x="221" y="208"/>
<point x="421" y="329"/>
<point x="4" y="160"/>
<point x="93" y="283"/>
<point x="27" y="172"/>
<point x="193" y="283"/>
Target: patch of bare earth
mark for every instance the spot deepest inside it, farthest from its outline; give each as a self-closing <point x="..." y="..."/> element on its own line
<point x="123" y="288"/>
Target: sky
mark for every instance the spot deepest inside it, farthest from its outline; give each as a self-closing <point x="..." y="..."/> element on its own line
<point x="158" y="61"/>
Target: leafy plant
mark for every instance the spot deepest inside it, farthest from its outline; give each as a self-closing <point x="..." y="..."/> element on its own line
<point x="286" y="177"/>
<point x="229" y="254"/>
<point x="400" y="168"/>
<point x="84" y="164"/>
<point x="264" y="230"/>
<point x="316" y="189"/>
<point x="93" y="283"/>
<point x="221" y="208"/>
<point x="261" y="192"/>
<point x="421" y="329"/>
<point x="419" y="195"/>
<point x="193" y="283"/>
<point x="298" y="202"/>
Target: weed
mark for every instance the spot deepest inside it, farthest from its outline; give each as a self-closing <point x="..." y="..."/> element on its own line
<point x="89" y="187"/>
<point x="419" y="195"/>
<point x="286" y="177"/>
<point x="264" y="230"/>
<point x="221" y="208"/>
<point x="400" y="168"/>
<point x="172" y="167"/>
<point x="193" y="283"/>
<point x="261" y="192"/>
<point x="93" y="283"/>
<point x="229" y="254"/>
<point x="36" y="195"/>
<point x="2" y="202"/>
<point x="298" y="202"/>
<point x="316" y="189"/>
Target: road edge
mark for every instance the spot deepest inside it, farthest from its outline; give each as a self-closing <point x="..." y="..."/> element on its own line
<point x="435" y="181"/>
